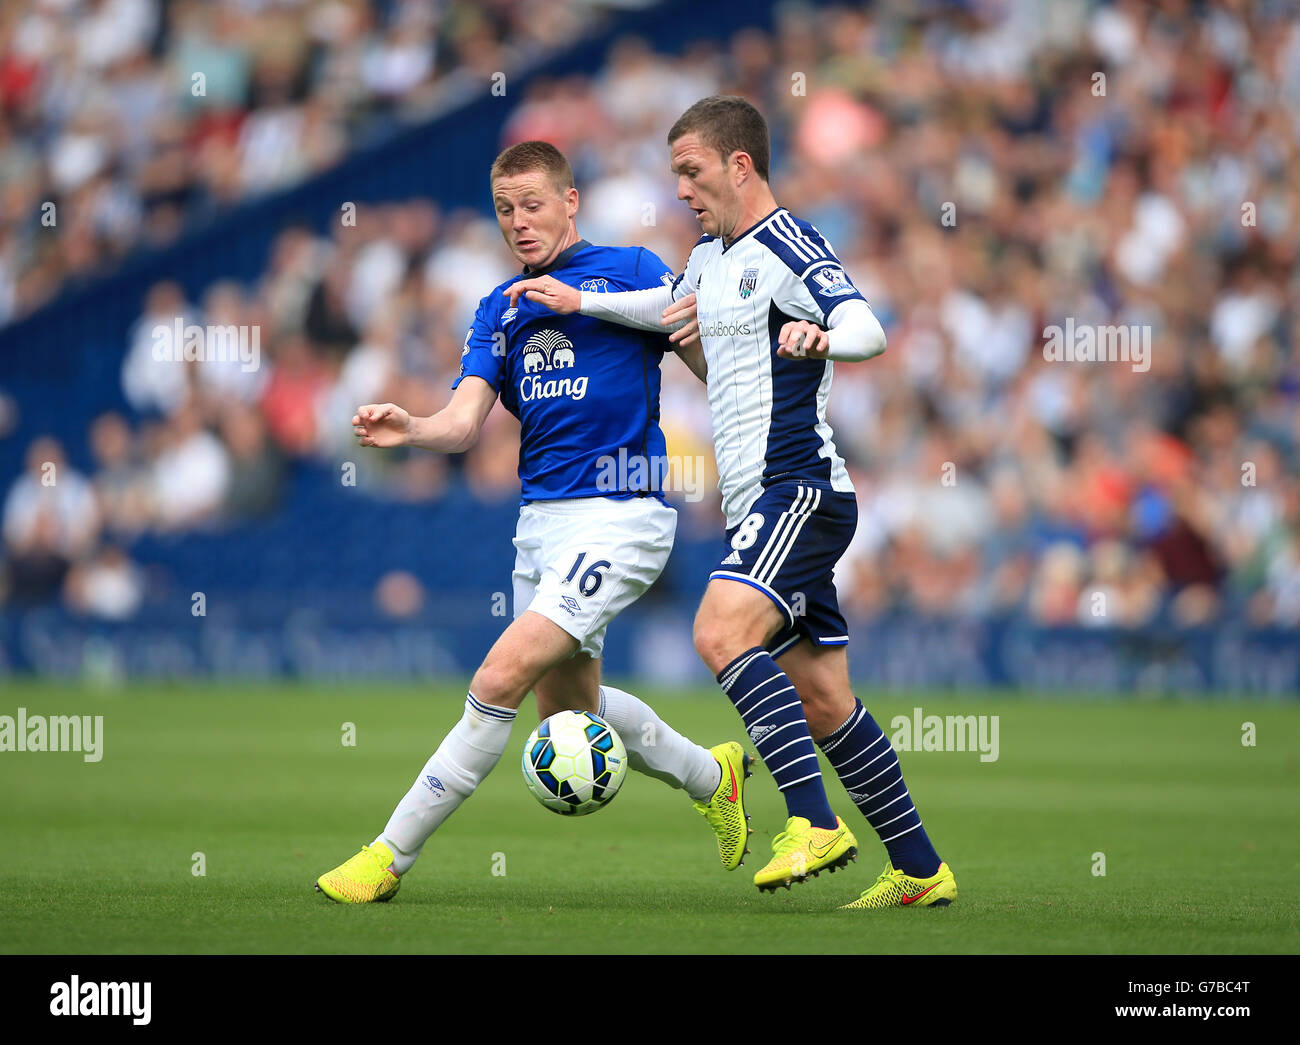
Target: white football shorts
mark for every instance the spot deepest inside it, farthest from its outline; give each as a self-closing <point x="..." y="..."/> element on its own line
<point x="581" y="562"/>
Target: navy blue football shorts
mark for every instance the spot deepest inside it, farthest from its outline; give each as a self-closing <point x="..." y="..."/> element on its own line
<point x="787" y="548"/>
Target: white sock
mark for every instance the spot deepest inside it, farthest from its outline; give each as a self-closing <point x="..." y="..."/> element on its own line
<point x="656" y="749"/>
<point x="465" y="756"/>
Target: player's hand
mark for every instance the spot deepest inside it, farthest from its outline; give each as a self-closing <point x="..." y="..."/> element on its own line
<point x="381" y="424"/>
<point x="802" y="340"/>
<point x="675" y="313"/>
<point x="546" y="290"/>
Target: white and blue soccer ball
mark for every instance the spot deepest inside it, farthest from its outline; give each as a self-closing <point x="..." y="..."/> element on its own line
<point x="574" y="763"/>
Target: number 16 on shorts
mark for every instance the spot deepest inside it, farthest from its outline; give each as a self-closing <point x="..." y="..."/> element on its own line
<point x="580" y="564"/>
<point x="589" y="582"/>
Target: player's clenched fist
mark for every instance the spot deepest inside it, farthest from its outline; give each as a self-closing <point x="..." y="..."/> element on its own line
<point x="802" y="340"/>
<point x="546" y="290"/>
<point x="381" y="424"/>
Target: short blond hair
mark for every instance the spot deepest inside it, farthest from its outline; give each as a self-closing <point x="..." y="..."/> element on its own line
<point x="534" y="156"/>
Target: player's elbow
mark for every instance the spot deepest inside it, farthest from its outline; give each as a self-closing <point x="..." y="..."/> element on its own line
<point x="873" y="336"/>
<point x="856" y="346"/>
<point x="464" y="435"/>
<point x="451" y="432"/>
<point x="855" y="333"/>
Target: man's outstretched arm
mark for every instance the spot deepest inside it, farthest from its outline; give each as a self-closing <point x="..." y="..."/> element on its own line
<point x="641" y="309"/>
<point x="452" y="430"/>
<point x="652" y="309"/>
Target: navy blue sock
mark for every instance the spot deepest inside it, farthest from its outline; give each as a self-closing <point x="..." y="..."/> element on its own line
<point x="868" y="768"/>
<point x="774" y="719"/>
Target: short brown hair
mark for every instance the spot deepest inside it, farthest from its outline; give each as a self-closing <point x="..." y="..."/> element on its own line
<point x="533" y="156"/>
<point x="729" y="124"/>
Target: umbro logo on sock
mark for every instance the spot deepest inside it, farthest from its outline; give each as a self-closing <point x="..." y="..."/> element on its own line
<point x="433" y="783"/>
<point x="733" y="559"/>
<point x="757" y="733"/>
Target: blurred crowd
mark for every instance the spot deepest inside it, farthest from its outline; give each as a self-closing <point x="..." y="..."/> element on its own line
<point x="985" y="171"/>
<point x="122" y="120"/>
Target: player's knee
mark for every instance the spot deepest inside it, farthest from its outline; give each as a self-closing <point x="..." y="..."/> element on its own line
<point x="722" y="637"/>
<point x="500" y="683"/>
<point x="715" y="641"/>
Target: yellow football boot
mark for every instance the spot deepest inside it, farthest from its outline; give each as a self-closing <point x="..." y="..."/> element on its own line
<point x="803" y="851"/>
<point x="895" y="889"/>
<point x="725" y="810"/>
<point x="367" y="878"/>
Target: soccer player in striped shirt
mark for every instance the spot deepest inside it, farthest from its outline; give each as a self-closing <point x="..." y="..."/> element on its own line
<point x="774" y="308"/>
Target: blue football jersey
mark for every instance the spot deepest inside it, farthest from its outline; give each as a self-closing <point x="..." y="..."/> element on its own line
<point x="586" y="391"/>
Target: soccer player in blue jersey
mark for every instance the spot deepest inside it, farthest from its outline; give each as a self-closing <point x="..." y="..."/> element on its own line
<point x="585" y="391"/>
<point x="774" y="307"/>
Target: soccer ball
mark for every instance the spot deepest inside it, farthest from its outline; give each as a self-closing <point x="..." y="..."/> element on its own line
<point x="574" y="763"/>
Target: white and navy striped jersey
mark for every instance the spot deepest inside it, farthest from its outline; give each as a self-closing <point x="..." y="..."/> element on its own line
<point x="769" y="413"/>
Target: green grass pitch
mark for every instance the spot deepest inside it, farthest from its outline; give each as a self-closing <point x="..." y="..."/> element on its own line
<point x="1200" y="834"/>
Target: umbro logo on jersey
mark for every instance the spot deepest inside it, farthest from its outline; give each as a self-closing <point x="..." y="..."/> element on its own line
<point x="757" y="733"/>
<point x="508" y="315"/>
<point x="733" y="559"/>
<point x="433" y="783"/>
<point x="469" y="334"/>
<point x="570" y="605"/>
<point x="748" y="281"/>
